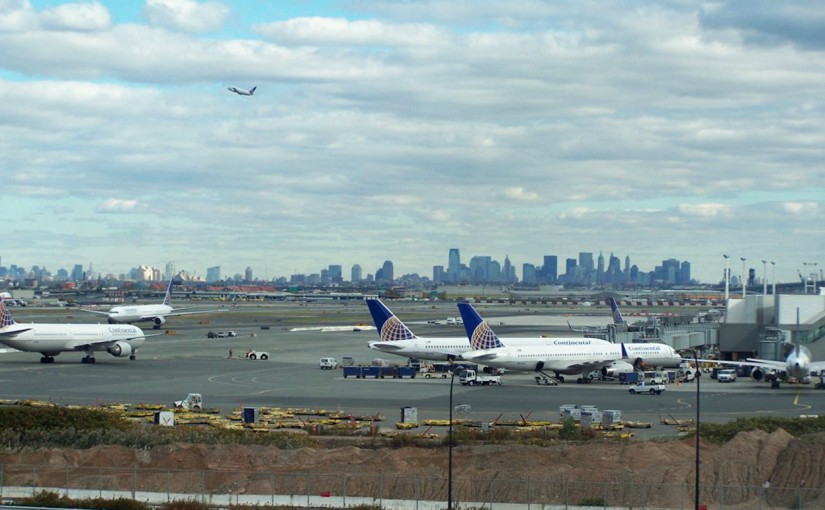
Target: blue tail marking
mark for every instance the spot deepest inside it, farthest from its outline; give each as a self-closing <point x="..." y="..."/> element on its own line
<point x="167" y="299"/>
<point x="390" y="327"/>
<point x="479" y="333"/>
<point x="617" y="315"/>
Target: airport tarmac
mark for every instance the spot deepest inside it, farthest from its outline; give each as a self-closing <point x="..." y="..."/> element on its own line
<point x="182" y="359"/>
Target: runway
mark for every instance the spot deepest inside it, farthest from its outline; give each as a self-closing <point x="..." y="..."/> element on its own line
<point x="171" y="365"/>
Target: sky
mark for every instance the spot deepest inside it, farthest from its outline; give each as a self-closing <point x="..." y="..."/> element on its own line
<point x="396" y="130"/>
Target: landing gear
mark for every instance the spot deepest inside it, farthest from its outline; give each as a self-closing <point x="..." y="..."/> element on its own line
<point x="87" y="360"/>
<point x="132" y="357"/>
<point x="775" y="384"/>
<point x="47" y="359"/>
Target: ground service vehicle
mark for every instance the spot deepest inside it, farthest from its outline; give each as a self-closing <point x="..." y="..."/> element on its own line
<point x="472" y="378"/>
<point x="328" y="363"/>
<point x="726" y="375"/>
<point x="646" y="388"/>
<point x="192" y="402"/>
<point x="257" y="355"/>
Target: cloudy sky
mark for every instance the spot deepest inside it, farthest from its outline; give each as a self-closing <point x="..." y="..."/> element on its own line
<point x="399" y="129"/>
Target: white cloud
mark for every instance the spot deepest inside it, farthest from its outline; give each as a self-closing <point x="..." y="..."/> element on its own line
<point x="82" y="17"/>
<point x="16" y="15"/>
<point x="320" y="31"/>
<point x="520" y="194"/>
<point x="117" y="205"/>
<point x="186" y="15"/>
<point x="801" y="208"/>
<point x="705" y="210"/>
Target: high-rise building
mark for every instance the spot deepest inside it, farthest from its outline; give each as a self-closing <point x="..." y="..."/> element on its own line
<point x="550" y="269"/>
<point x="170" y="271"/>
<point x="213" y="274"/>
<point x="684" y="273"/>
<point x="247" y="275"/>
<point x="454" y="266"/>
<point x="570" y="270"/>
<point x="600" y="268"/>
<point x="336" y="273"/>
<point x="77" y="273"/>
<point x="438" y="275"/>
<point x="355" y="273"/>
<point x="528" y="273"/>
<point x="385" y="274"/>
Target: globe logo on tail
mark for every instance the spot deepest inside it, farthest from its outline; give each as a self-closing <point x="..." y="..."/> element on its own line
<point x="5" y="316"/>
<point x="393" y="329"/>
<point x="484" y="338"/>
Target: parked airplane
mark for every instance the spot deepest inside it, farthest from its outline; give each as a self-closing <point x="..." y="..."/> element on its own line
<point x="798" y="364"/>
<point x="242" y="92"/>
<point x="398" y="339"/>
<point x="145" y="313"/>
<point x="566" y="356"/>
<point x="52" y="339"/>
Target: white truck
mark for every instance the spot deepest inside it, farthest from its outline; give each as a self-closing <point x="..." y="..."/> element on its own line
<point x="646" y="388"/>
<point x="472" y="378"/>
<point x="192" y="402"/>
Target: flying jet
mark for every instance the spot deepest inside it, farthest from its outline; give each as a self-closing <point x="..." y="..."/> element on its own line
<point x="145" y="313"/>
<point x="52" y="339"/>
<point x="398" y="339"/>
<point x="242" y="92"/>
<point x="565" y="356"/>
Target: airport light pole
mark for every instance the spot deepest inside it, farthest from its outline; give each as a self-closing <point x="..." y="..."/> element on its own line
<point x="744" y="278"/>
<point x="764" y="277"/>
<point x="773" y="276"/>
<point x="698" y="374"/>
<point x="727" y="278"/>
<point x="450" y="447"/>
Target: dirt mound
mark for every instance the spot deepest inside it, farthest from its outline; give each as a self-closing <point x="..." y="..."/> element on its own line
<point x="749" y="460"/>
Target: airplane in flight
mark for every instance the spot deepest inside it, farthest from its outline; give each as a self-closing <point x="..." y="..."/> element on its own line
<point x="398" y="339"/>
<point x="52" y="339"/>
<point x="144" y="313"/>
<point x="242" y="92"/>
<point x="563" y="357"/>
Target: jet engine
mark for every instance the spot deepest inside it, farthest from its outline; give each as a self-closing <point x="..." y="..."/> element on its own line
<point x="120" y="349"/>
<point x="159" y="321"/>
<point x="539" y="366"/>
<point x="757" y="374"/>
<point x="639" y="364"/>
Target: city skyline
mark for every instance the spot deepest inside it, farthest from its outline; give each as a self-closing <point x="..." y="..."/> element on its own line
<point x="586" y="268"/>
<point x="395" y="130"/>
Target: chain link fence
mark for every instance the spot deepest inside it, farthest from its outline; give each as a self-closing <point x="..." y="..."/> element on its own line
<point x="386" y="490"/>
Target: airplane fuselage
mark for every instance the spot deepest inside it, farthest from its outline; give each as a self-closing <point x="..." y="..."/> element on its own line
<point x="441" y="349"/>
<point x="55" y="338"/>
<point x="572" y="359"/>
<point x="138" y="313"/>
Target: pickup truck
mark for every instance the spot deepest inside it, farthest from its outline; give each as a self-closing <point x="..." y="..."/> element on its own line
<point x="651" y="389"/>
<point x="472" y="378"/>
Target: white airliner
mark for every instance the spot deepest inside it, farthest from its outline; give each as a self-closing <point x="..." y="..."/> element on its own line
<point x="52" y="339"/>
<point x="798" y="364"/>
<point x="396" y="338"/>
<point x="566" y="356"/>
<point x="242" y="92"/>
<point x="145" y="313"/>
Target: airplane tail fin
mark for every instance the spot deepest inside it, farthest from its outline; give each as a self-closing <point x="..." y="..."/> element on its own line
<point x="5" y="317"/>
<point x="252" y="90"/>
<point x="617" y="315"/>
<point x="390" y="327"/>
<point x="479" y="333"/>
<point x="167" y="299"/>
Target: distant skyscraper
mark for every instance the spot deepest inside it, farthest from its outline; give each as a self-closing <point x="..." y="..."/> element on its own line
<point x="528" y="273"/>
<point x="550" y="269"/>
<point x="336" y="273"/>
<point x="684" y="273"/>
<point x="213" y="274"/>
<point x="170" y="271"/>
<point x="247" y="275"/>
<point x="600" y="268"/>
<point x="355" y="273"/>
<point x="438" y="275"/>
<point x="570" y="270"/>
<point x="508" y="271"/>
<point x="386" y="272"/>
<point x="454" y="266"/>
<point x="77" y="273"/>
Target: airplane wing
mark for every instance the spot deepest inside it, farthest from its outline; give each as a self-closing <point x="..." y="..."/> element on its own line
<point x="83" y="346"/>
<point x="98" y="312"/>
<point x="749" y="362"/>
<point x="13" y="332"/>
<point x="182" y="311"/>
<point x="817" y="366"/>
